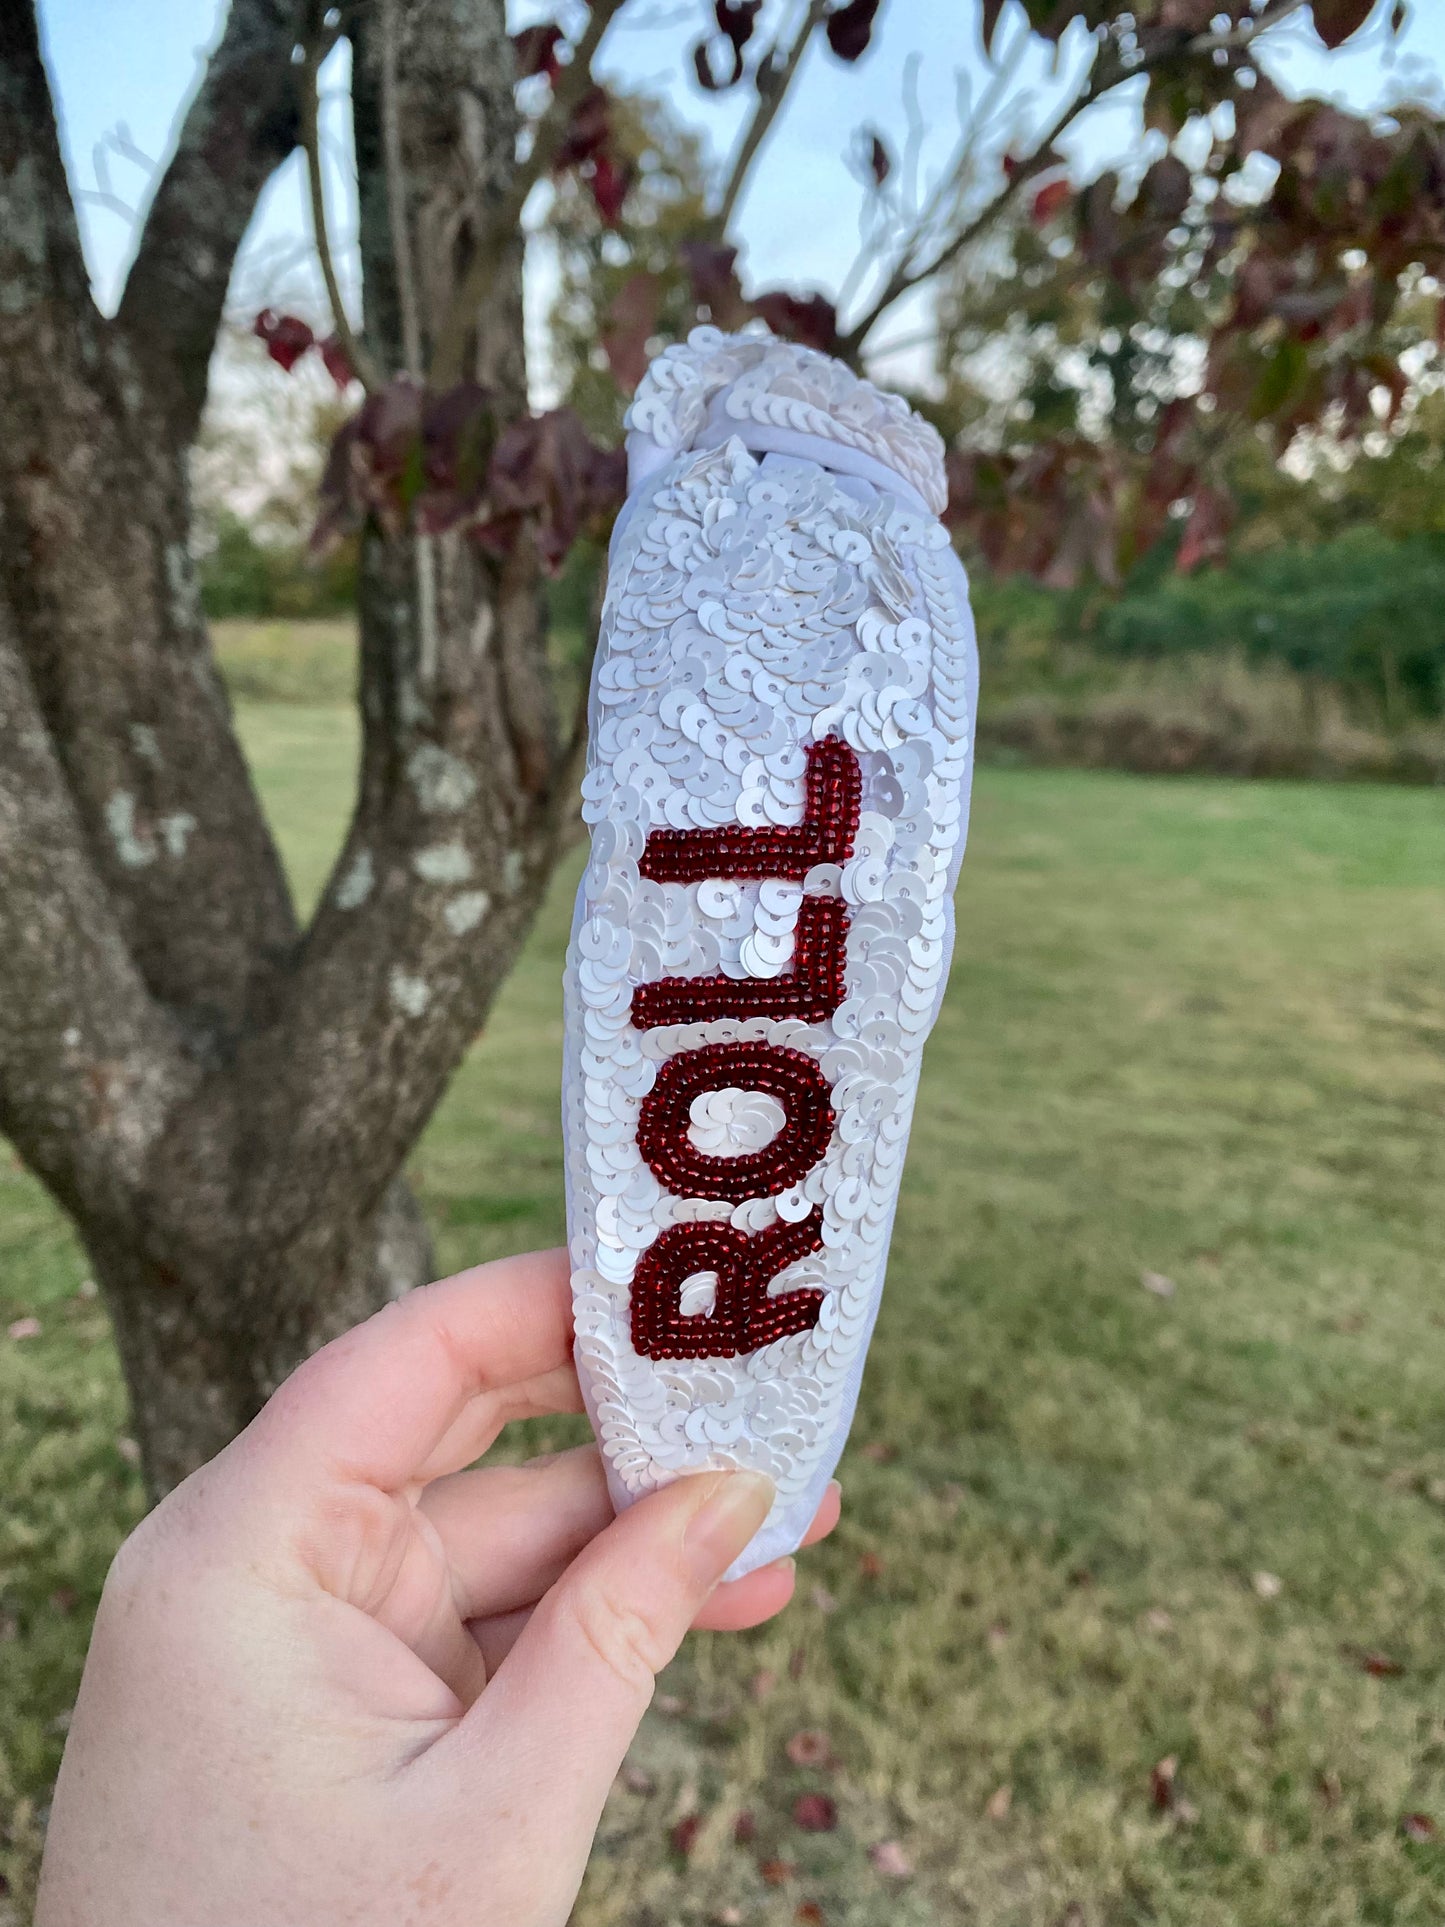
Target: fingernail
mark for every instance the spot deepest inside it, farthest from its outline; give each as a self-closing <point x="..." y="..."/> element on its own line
<point x="786" y="1566"/>
<point x="836" y="1485"/>
<point x="727" y="1520"/>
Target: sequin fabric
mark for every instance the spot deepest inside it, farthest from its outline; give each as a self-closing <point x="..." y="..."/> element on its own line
<point x="781" y="736"/>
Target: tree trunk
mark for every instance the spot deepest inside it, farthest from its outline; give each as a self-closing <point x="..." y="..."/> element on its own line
<point x="202" y="1350"/>
<point x="222" y="1100"/>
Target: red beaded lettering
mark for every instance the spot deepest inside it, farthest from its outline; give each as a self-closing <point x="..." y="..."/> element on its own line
<point x="744" y="1315"/>
<point x="789" y="1075"/>
<point x="812" y="989"/>
<point x="832" y="791"/>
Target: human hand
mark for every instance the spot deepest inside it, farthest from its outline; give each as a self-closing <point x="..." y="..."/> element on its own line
<point x="335" y="1678"/>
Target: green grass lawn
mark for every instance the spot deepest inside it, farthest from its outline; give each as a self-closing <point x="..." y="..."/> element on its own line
<point x="1195" y="1028"/>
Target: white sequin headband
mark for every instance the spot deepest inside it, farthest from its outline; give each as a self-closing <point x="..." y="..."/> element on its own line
<point x="781" y="746"/>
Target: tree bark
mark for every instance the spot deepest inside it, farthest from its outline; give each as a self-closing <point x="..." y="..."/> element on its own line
<point x="223" y="1100"/>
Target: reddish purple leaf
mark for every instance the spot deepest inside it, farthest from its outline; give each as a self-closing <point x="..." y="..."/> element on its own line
<point x="850" y="28"/>
<point x="737" y="19"/>
<point x="1161" y="1783"/>
<point x="1205" y="532"/>
<point x="702" y="66"/>
<point x="1336" y="20"/>
<point x="1049" y="202"/>
<point x="1418" y="1827"/>
<point x="608" y="181"/>
<point x="880" y="161"/>
<point x="630" y="321"/>
<point x="815" y="1812"/>
<point x="546" y="476"/>
<point x="745" y="1828"/>
<point x="684" y="1835"/>
<point x="286" y="336"/>
<point x="588" y="130"/>
<point x="776" y="1873"/>
<point x="712" y="271"/>
<point x="337" y="362"/>
<point x="1377" y="1665"/>
<point x="810" y="319"/>
<point x="536" y="51"/>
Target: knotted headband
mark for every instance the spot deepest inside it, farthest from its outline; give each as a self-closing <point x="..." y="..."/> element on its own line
<point x="781" y="745"/>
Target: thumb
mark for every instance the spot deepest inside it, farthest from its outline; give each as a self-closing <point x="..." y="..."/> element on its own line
<point x="562" y="1709"/>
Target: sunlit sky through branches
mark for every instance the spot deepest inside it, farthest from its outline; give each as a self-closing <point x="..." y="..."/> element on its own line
<point x="123" y="70"/>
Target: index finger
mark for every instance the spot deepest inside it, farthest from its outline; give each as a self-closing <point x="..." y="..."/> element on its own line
<point x="423" y="1387"/>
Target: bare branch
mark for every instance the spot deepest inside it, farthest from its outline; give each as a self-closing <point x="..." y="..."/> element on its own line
<point x="403" y="261"/>
<point x="771" y="95"/>
<point x="241" y="125"/>
<point x="357" y="353"/>
<point x="90" y="1070"/>
<point x="500" y="229"/>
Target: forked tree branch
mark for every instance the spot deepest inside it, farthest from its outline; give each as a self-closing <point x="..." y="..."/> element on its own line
<point x="241" y="125"/>
<point x="769" y="102"/>
<point x="498" y="232"/>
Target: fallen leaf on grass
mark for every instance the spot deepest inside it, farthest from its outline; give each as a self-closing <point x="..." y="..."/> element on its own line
<point x="1268" y="1585"/>
<point x="775" y="1873"/>
<point x="888" y="1858"/>
<point x="1331" y="1789"/>
<point x="1157" y="1282"/>
<point x="63" y="1600"/>
<point x="23" y="1328"/>
<point x="815" y="1812"/>
<point x="1377" y="1665"/>
<point x="999" y="1802"/>
<point x="1418" y="1826"/>
<point x="811" y="1914"/>
<point x="870" y="1566"/>
<point x="684" y="1834"/>
<point x="1161" y="1782"/>
<point x="745" y="1828"/>
<point x="810" y="1747"/>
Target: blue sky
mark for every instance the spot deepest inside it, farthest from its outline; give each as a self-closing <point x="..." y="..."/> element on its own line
<point x="131" y="64"/>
